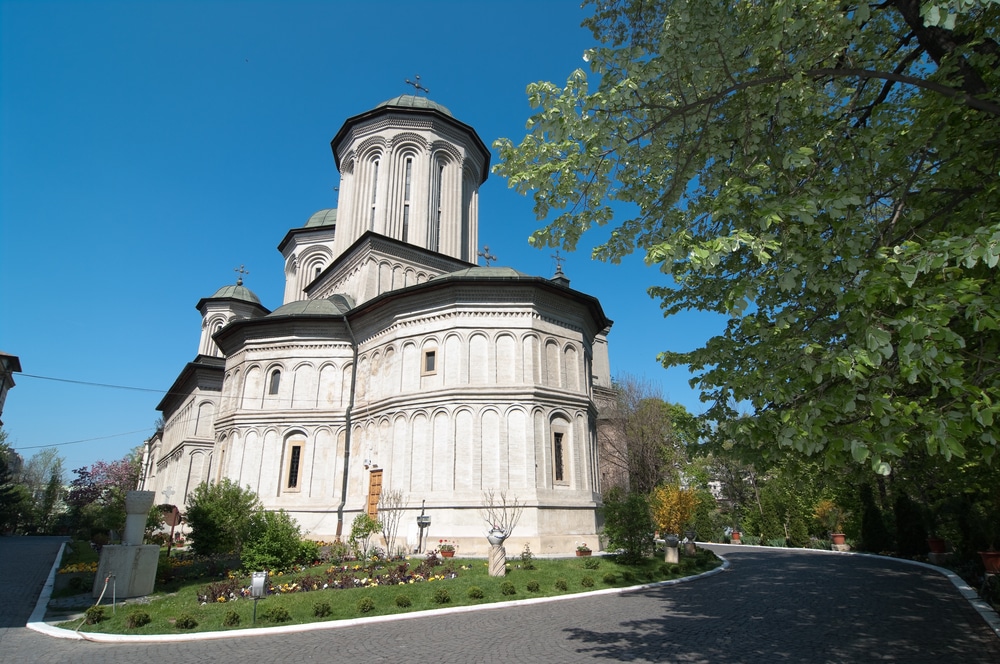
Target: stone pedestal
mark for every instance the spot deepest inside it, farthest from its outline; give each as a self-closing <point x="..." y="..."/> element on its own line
<point x="689" y="548"/>
<point x="670" y="554"/>
<point x="498" y="560"/>
<point x="129" y="568"/>
<point x="133" y="568"/>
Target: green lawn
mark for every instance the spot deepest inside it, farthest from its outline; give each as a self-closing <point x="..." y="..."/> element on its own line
<point x="454" y="582"/>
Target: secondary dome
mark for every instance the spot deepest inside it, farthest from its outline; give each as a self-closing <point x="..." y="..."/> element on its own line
<point x="413" y="101"/>
<point x="236" y="292"/>
<point x="322" y="218"/>
<point x="335" y="305"/>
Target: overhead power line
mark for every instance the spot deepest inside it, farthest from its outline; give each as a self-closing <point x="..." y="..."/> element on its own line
<point x="90" y="384"/>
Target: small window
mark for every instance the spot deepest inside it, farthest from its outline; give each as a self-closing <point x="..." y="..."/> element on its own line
<point x="294" y="464"/>
<point x="275" y="383"/>
<point x="557" y="458"/>
<point x="430" y="363"/>
<point x="317" y="270"/>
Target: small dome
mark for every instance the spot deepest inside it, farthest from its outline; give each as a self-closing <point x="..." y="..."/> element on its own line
<point x="493" y="272"/>
<point x="322" y="218"/>
<point x="335" y="305"/>
<point x="413" y="101"/>
<point x="236" y="292"/>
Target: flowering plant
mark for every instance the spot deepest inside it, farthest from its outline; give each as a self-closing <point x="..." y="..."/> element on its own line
<point x="446" y="545"/>
<point x="583" y="547"/>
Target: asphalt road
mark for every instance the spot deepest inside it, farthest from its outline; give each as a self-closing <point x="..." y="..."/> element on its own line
<point x="771" y="605"/>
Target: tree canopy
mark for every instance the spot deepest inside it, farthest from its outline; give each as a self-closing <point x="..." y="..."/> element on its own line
<point x="823" y="173"/>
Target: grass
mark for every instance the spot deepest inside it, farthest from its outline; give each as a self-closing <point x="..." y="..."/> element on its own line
<point x="447" y="585"/>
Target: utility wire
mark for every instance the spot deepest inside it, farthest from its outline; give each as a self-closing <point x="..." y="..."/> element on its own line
<point x="84" y="382"/>
<point x="85" y="440"/>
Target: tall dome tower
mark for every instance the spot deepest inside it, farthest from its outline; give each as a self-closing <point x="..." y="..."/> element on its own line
<point x="410" y="171"/>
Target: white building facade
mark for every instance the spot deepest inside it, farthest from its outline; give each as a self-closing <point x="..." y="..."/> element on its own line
<point x="395" y="362"/>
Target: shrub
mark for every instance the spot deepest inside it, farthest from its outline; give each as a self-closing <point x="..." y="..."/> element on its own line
<point x="533" y="586"/>
<point x="628" y="576"/>
<point x="587" y="582"/>
<point x="777" y="541"/>
<point x="628" y="525"/>
<point x="527" y="558"/>
<point x="362" y="529"/>
<point x="874" y="534"/>
<point x="911" y="536"/>
<point x="475" y="592"/>
<point x="308" y="552"/>
<point x="561" y="584"/>
<point x="591" y="563"/>
<point x="94" y="615"/>
<point x="664" y="569"/>
<point x="232" y="619"/>
<point x="185" y="621"/>
<point x="274" y="542"/>
<point x="276" y="614"/>
<point x="219" y="515"/>
<point x="322" y="609"/>
<point x="507" y="588"/>
<point x="403" y="601"/>
<point x="610" y="578"/>
<point x="366" y="605"/>
<point x="137" y="619"/>
<point x="441" y="596"/>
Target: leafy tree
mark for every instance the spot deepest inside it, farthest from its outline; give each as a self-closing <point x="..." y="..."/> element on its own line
<point x="362" y="529"/>
<point x="672" y="508"/>
<point x="220" y="516"/>
<point x="97" y="495"/>
<point x="824" y="173"/>
<point x="42" y="478"/>
<point x="628" y="525"/>
<point x="15" y="501"/>
<point x="643" y="438"/>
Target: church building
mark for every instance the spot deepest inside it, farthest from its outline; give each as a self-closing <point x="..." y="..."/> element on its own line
<point x="396" y="362"/>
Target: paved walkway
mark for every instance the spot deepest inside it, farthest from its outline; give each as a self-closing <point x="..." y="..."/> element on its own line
<point x="771" y="605"/>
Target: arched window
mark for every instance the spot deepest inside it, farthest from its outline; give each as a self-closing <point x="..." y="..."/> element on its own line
<point x="371" y="221"/>
<point x="408" y="177"/>
<point x="275" y="382"/>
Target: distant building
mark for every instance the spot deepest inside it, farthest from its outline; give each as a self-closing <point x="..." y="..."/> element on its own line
<point x="9" y="365"/>
<point x="396" y="362"/>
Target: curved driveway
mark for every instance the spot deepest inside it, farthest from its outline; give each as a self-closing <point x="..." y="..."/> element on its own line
<point x="771" y="605"/>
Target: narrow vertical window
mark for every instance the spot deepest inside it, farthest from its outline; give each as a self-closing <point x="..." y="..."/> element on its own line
<point x="557" y="457"/>
<point x="434" y="232"/>
<point x="371" y="222"/>
<point x="294" y="460"/>
<point x="406" y="198"/>
<point x="317" y="270"/>
<point x="272" y="387"/>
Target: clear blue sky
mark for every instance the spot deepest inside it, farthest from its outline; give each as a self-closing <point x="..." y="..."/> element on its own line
<point x="149" y="148"/>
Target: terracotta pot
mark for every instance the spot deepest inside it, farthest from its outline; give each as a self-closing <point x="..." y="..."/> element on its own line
<point x="935" y="544"/>
<point x="991" y="561"/>
<point x="583" y="553"/>
<point x="447" y="554"/>
<point x="735" y="537"/>
<point x="838" y="538"/>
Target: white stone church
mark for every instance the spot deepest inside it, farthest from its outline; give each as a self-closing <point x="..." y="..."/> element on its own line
<point x="395" y="362"/>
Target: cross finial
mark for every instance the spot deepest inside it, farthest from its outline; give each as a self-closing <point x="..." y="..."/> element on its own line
<point x="416" y="85"/>
<point x="559" y="260"/>
<point x="486" y="255"/>
<point x="240" y="271"/>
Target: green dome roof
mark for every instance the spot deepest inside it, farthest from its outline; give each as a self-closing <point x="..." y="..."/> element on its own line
<point x="335" y="305"/>
<point x="323" y="218"/>
<point x="413" y="101"/>
<point x="493" y="272"/>
<point x="236" y="292"/>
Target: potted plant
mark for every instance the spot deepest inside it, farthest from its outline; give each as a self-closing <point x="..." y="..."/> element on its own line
<point x="583" y="550"/>
<point x="447" y="548"/>
<point x="832" y="517"/>
<point x="734" y="536"/>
